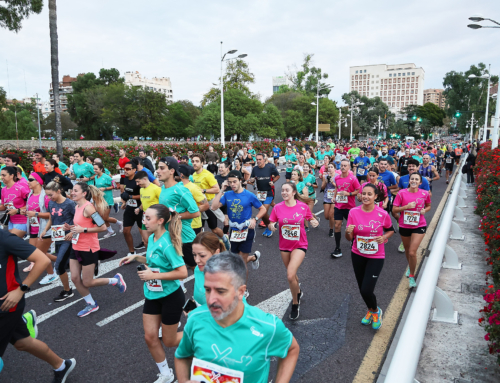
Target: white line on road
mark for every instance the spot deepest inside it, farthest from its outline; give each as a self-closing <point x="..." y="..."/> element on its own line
<point x="49" y="314"/>
<point x="278" y="304"/>
<point x="120" y="313"/>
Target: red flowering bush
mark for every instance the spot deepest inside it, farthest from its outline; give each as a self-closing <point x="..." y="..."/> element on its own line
<point x="487" y="172"/>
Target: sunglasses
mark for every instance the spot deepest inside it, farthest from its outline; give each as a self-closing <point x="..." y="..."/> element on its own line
<point x="127" y="169"/>
<point x="31" y="179"/>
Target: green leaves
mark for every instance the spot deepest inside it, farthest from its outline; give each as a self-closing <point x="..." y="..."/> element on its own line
<point x="12" y="15"/>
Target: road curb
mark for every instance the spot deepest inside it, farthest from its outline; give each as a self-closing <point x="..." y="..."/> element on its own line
<point x="377" y="351"/>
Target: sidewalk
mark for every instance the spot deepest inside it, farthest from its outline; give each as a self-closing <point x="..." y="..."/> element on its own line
<point x="459" y="353"/>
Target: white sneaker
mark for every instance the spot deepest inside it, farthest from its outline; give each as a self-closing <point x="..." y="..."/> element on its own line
<point x="109" y="234"/>
<point x="160" y="333"/>
<point x="255" y="264"/>
<point x="165" y="378"/>
<point x="49" y="279"/>
<point x="130" y="254"/>
<point x="52" y="249"/>
<point x="120" y="226"/>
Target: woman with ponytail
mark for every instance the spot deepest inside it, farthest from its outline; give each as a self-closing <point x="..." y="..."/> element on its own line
<point x="161" y="270"/>
<point x="88" y="222"/>
<point x="14" y="196"/>
<point x="382" y="198"/>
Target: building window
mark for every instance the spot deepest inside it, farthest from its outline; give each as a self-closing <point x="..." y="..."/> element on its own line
<point x="376" y="87"/>
<point x="413" y="73"/>
<point x="365" y="70"/>
<point x="390" y="81"/>
<point x="390" y="74"/>
<point x="364" y="76"/>
<point x="356" y="71"/>
<point x="368" y="76"/>
<point x="416" y="85"/>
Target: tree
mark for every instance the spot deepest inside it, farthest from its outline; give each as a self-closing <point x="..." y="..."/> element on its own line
<point x="3" y="98"/>
<point x="367" y="115"/>
<point x="69" y="128"/>
<point x="271" y="123"/>
<point x="12" y="15"/>
<point x="432" y="113"/>
<point x="25" y="126"/>
<point x="308" y="78"/>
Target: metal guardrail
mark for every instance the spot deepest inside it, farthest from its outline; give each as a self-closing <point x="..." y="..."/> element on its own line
<point x="403" y="365"/>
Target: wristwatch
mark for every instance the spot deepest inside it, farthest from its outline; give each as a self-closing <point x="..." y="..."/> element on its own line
<point x="36" y="214"/>
<point x="24" y="288"/>
<point x="204" y="191"/>
<point x="85" y="230"/>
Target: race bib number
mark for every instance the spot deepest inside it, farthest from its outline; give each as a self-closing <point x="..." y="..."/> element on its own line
<point x="366" y="245"/>
<point x="143" y="219"/>
<point x="361" y="172"/>
<point x="341" y="198"/>
<point x="261" y="195"/>
<point x="239" y="235"/>
<point x="58" y="233"/>
<point x="210" y="163"/>
<point x="34" y="222"/>
<point x="74" y="241"/>
<point x="320" y="163"/>
<point x="132" y="203"/>
<point x="9" y="205"/>
<point x="122" y="172"/>
<point x="411" y="218"/>
<point x="154" y="284"/>
<point x="290" y="232"/>
<point x="330" y="193"/>
<point x="207" y="372"/>
<point x="289" y="165"/>
<point x="448" y="160"/>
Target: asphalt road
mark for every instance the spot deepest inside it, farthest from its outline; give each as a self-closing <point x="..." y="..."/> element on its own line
<point x="333" y="340"/>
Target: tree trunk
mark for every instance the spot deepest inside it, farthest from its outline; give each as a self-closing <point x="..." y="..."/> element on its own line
<point x="54" y="66"/>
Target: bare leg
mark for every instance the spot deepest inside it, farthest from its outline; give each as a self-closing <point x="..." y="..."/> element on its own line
<point x="40" y="350"/>
<point x="292" y="261"/>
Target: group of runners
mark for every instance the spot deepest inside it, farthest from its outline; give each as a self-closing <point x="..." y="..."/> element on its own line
<point x="170" y="200"/>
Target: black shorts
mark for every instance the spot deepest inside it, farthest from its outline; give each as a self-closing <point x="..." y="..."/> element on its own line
<point x="340" y="214"/>
<point x="85" y="258"/>
<point x="361" y="178"/>
<point x="187" y="252"/>
<point x="223" y="209"/>
<point x="129" y="218"/>
<point x="245" y="246"/>
<point x="169" y="307"/>
<point x="198" y="230"/>
<point x="36" y="236"/>
<point x="449" y="166"/>
<point x="13" y="329"/>
<point x="408" y="232"/>
<point x="298" y="248"/>
<point x="328" y="203"/>
<point x="288" y="175"/>
<point x="212" y="219"/>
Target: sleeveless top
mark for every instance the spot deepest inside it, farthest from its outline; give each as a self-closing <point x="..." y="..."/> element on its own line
<point x="425" y="172"/>
<point x="86" y="241"/>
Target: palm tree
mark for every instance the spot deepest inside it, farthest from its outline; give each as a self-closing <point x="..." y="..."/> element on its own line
<point x="54" y="65"/>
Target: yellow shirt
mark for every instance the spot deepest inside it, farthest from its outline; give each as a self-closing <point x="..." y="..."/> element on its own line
<point x="199" y="197"/>
<point x="205" y="180"/>
<point x="150" y="195"/>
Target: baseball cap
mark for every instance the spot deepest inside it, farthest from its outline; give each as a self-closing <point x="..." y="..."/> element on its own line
<point x="185" y="170"/>
<point x="185" y="157"/>
<point x="171" y="163"/>
<point x="235" y="173"/>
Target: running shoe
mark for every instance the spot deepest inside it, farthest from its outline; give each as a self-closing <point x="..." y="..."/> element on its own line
<point x="407" y="273"/>
<point x="330" y="233"/>
<point x="319" y="220"/>
<point x="49" y="279"/>
<point x="130" y="254"/>
<point x="122" y="286"/>
<point x="337" y="253"/>
<point x="401" y="248"/>
<point x="63" y="295"/>
<point x="299" y="295"/>
<point x="160" y="333"/>
<point x="294" y="314"/>
<point x="52" y="249"/>
<point x="109" y="234"/>
<point x="255" y="264"/>
<point x="89" y="309"/>
<point x="139" y="246"/>
<point x="269" y="234"/>
<point x="60" y="376"/>
<point x="377" y="319"/>
<point x="165" y="378"/>
<point x="120" y="226"/>
<point x="31" y="324"/>
<point x="28" y="268"/>
<point x="412" y="282"/>
<point x="262" y="224"/>
<point x="307" y="229"/>
<point x="225" y="239"/>
<point x="116" y="207"/>
<point x="367" y="319"/>
<point x="26" y="237"/>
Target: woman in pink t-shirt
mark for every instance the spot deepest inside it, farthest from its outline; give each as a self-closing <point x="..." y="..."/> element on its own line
<point x="324" y="168"/>
<point x="368" y="227"/>
<point x="413" y="203"/>
<point x="383" y="198"/>
<point x="291" y="215"/>
<point x="14" y="196"/>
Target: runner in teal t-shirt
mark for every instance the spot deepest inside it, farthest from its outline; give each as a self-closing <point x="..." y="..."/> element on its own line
<point x="83" y="169"/>
<point x="291" y="161"/>
<point x="105" y="181"/>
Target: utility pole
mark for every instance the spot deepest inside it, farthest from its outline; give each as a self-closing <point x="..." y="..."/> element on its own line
<point x="39" y="132"/>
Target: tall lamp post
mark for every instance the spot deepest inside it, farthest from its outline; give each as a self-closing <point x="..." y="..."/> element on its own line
<point x="318" y="89"/>
<point x="478" y="18"/>
<point x="39" y="132"/>
<point x="222" y="59"/>
<point x="485" y="76"/>
<point x="342" y="121"/>
<point x="352" y="112"/>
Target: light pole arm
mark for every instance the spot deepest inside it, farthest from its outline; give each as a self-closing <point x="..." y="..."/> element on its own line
<point x="496" y="22"/>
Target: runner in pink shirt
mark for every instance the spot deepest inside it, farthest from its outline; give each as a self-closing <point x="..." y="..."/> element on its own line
<point x="345" y="195"/>
<point x="291" y="215"/>
<point x="383" y="198"/>
<point x="366" y="225"/>
<point x="14" y="196"/>
<point x="413" y="203"/>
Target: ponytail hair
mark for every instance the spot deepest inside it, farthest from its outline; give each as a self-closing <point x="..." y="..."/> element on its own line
<point x="55" y="186"/>
<point x="174" y="227"/>
<point x="210" y="241"/>
<point x="12" y="170"/>
<point x="297" y="196"/>
<point x="94" y="193"/>
<point x="378" y="190"/>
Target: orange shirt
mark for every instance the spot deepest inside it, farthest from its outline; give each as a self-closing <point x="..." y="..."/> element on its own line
<point x="40" y="168"/>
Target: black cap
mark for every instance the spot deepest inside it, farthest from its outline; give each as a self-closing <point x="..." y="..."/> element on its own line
<point x="185" y="170"/>
<point x="171" y="163"/>
<point x="236" y="174"/>
<point x="185" y="157"/>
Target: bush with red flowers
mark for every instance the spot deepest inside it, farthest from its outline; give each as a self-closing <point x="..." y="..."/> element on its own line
<point x="487" y="173"/>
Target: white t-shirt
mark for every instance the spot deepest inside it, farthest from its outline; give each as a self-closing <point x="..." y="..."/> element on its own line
<point x="401" y="154"/>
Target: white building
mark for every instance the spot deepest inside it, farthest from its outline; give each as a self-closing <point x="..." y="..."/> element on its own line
<point x="162" y="85"/>
<point x="43" y="106"/>
<point x="397" y="85"/>
<point x="65" y="88"/>
<point x="279" y="81"/>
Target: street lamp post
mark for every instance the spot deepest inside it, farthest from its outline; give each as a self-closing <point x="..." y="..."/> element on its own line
<point x="342" y="121"/>
<point x="39" y="132"/>
<point x="222" y="134"/>
<point x="318" y="89"/>
<point x="352" y="112"/>
<point x="488" y="76"/>
<point x="472" y="121"/>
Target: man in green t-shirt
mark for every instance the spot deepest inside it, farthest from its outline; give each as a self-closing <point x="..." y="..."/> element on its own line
<point x="331" y="144"/>
<point x="353" y="152"/>
<point x="84" y="172"/>
<point x="291" y="161"/>
<point x="231" y="337"/>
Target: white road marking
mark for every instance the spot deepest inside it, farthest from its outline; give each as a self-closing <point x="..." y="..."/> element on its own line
<point x="278" y="304"/>
<point x="120" y="313"/>
<point x="319" y="212"/>
<point x="49" y="314"/>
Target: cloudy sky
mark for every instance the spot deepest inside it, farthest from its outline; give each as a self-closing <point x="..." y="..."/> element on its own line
<point x="181" y="40"/>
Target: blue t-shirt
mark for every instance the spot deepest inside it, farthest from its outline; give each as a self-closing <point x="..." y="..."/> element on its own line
<point x="392" y="152"/>
<point x="239" y="205"/>
<point x="362" y="161"/>
<point x="276" y="152"/>
<point x="151" y="177"/>
<point x="388" y="179"/>
<point x="405" y="180"/>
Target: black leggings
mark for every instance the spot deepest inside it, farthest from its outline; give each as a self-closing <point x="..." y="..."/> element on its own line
<point x="470" y="176"/>
<point x="367" y="271"/>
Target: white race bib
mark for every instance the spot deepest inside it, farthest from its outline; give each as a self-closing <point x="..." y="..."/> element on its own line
<point x="34" y="222"/>
<point x="143" y="219"/>
<point x="320" y="163"/>
<point x="361" y="172"/>
<point x="238" y="235"/>
<point x="122" y="172"/>
<point x="290" y="232"/>
<point x="366" y="245"/>
<point x="411" y="218"/>
<point x="58" y="233"/>
<point x="448" y="160"/>
<point x="261" y="195"/>
<point x="154" y="284"/>
<point x="132" y="202"/>
<point x="9" y="205"/>
<point x="202" y="371"/>
<point x="74" y="241"/>
<point x="341" y="198"/>
<point x="330" y="193"/>
<point x="289" y="165"/>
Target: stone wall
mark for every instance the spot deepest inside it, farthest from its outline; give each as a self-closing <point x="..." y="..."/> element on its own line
<point x="27" y="144"/>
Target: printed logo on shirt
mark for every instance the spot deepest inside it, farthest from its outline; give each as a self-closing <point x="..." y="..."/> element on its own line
<point x="256" y="333"/>
<point x="296" y="218"/>
<point x="373" y="226"/>
<point x="222" y="357"/>
<point x="59" y="212"/>
<point x="344" y="186"/>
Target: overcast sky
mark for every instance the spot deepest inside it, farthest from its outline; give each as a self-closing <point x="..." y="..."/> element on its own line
<point x="181" y="40"/>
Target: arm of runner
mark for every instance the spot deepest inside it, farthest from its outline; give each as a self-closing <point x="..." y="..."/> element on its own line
<point x="178" y="273"/>
<point x="156" y="182"/>
<point x="183" y="369"/>
<point x="436" y="174"/>
<point x="216" y="204"/>
<point x="286" y="366"/>
<point x="132" y="258"/>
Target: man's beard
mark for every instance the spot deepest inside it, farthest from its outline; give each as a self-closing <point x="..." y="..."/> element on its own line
<point x="224" y="313"/>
